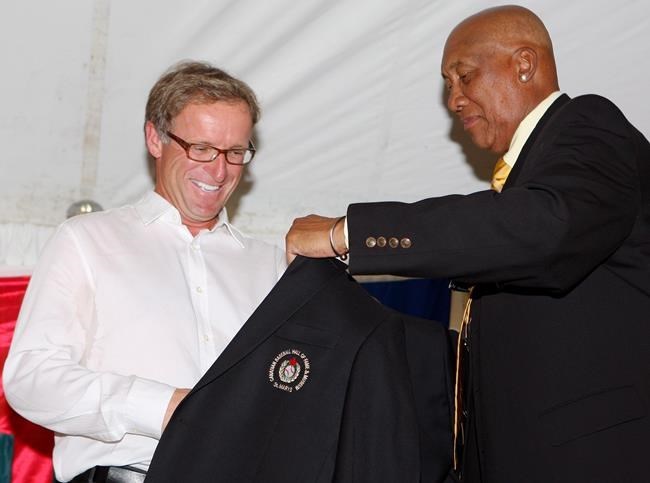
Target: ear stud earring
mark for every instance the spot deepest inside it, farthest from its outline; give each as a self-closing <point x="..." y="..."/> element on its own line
<point x="523" y="77"/>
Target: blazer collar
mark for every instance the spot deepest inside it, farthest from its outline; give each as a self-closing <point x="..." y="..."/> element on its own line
<point x="548" y="115"/>
<point x="300" y="282"/>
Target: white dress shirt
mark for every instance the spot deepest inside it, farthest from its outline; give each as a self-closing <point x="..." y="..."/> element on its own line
<point x="123" y="307"/>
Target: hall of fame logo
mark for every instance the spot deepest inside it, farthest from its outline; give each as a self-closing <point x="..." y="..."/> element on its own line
<point x="289" y="370"/>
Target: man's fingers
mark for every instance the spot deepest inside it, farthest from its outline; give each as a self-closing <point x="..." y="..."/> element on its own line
<point x="290" y="257"/>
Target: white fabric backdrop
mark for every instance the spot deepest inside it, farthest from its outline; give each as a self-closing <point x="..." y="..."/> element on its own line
<point x="352" y="98"/>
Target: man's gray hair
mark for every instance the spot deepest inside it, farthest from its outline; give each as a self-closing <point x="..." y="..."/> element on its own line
<point x="192" y="82"/>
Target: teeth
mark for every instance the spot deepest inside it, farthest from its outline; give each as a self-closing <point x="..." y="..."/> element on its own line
<point x="205" y="186"/>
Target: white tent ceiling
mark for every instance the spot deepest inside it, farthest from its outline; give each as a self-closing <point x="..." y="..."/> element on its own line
<point x="351" y="93"/>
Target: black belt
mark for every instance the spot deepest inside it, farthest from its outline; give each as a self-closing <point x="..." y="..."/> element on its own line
<point x="111" y="474"/>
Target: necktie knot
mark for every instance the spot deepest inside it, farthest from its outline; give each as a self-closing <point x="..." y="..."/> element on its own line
<point x="500" y="174"/>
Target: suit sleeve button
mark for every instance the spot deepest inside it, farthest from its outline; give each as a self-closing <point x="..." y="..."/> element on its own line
<point x="381" y="241"/>
<point x="405" y="242"/>
<point x="371" y="241"/>
<point x="393" y="242"/>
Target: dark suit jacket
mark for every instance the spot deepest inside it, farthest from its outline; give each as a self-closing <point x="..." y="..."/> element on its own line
<point x="560" y="331"/>
<point x="321" y="384"/>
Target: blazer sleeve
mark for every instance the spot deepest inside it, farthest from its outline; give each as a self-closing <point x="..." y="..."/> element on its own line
<point x="575" y="201"/>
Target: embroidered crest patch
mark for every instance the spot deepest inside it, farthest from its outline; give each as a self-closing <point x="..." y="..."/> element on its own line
<point x="289" y="370"/>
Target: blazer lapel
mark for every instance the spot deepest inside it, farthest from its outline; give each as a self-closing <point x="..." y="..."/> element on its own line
<point x="532" y="139"/>
<point x="301" y="281"/>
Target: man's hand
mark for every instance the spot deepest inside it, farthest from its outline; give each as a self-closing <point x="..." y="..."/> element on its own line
<point x="310" y="237"/>
<point x="177" y="397"/>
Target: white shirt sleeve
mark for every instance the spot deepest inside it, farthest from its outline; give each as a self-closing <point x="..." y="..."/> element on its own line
<point x="280" y="262"/>
<point x="45" y="379"/>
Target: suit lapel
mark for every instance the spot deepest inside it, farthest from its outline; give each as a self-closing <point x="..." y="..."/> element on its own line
<point x="532" y="139"/>
<point x="301" y="281"/>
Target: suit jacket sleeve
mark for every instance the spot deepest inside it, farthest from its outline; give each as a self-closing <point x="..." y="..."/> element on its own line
<point x="575" y="200"/>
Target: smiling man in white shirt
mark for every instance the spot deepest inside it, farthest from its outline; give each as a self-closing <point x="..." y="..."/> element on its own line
<point x="128" y="308"/>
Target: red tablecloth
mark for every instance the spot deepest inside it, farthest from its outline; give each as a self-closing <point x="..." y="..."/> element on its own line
<point x="32" y="444"/>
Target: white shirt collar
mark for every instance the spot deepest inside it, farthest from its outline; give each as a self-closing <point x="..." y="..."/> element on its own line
<point x="526" y="127"/>
<point x="153" y="207"/>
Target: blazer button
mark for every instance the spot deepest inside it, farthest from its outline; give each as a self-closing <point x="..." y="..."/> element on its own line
<point x="393" y="242"/>
<point x="371" y="241"/>
<point x="405" y="243"/>
<point x="381" y="241"/>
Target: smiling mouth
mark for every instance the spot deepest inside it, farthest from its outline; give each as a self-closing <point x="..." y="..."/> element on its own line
<point x="209" y="188"/>
<point x="468" y="122"/>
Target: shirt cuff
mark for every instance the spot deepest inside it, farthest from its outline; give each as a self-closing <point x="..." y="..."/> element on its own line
<point x="146" y="406"/>
<point x="345" y="233"/>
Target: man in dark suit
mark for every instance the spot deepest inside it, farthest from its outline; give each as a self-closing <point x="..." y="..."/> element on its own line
<point x="322" y="384"/>
<point x="554" y="379"/>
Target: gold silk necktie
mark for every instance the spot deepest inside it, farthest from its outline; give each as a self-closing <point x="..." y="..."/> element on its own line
<point x="500" y="174"/>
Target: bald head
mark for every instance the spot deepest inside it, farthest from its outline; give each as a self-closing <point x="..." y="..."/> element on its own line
<point x="507" y="24"/>
<point x="498" y="66"/>
<point x="508" y="28"/>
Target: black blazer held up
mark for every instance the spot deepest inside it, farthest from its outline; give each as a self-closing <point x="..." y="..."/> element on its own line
<point x="560" y="331"/>
<point x="321" y="384"/>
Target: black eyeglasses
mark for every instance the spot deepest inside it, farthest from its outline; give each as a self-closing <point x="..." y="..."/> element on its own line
<point x="204" y="153"/>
